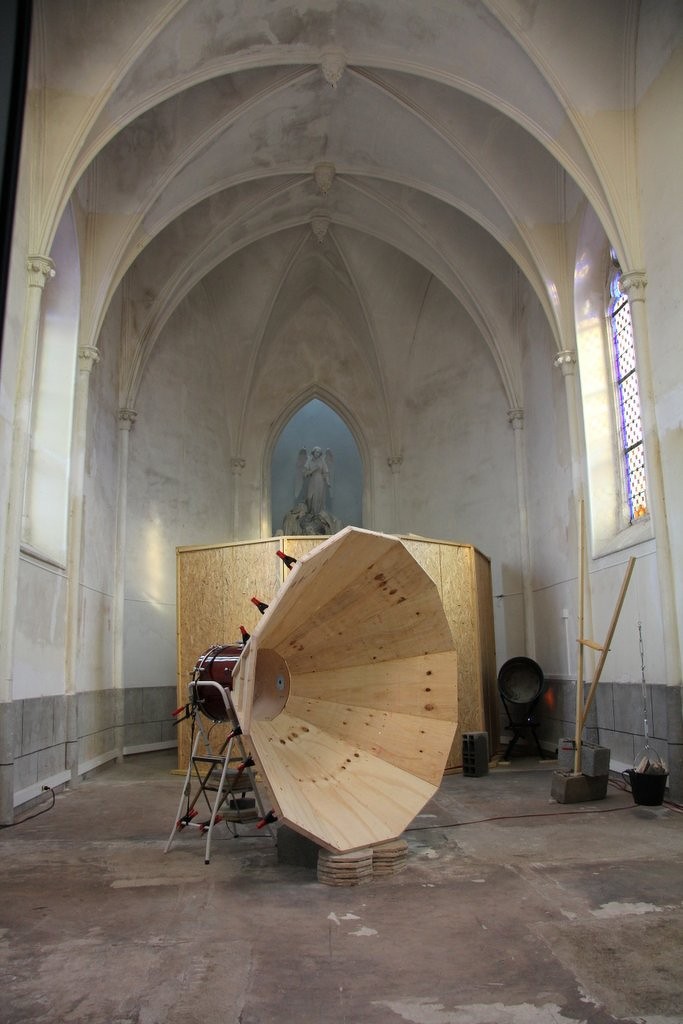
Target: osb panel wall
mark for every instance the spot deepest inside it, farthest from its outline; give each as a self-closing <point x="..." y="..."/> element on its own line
<point x="215" y="586"/>
<point x="460" y="573"/>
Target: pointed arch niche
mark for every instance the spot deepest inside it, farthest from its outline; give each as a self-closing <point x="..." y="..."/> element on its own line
<point x="315" y="423"/>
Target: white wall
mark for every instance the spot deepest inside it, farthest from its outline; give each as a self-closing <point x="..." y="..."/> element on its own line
<point x="179" y="486"/>
<point x="660" y="158"/>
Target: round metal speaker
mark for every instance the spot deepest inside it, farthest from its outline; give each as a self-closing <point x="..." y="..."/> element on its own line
<point x="520" y="681"/>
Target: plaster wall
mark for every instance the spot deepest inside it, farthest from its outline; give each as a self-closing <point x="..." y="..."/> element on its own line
<point x="661" y="198"/>
<point x="179" y="485"/>
<point x="40" y="631"/>
<point x="552" y="509"/>
<point x="11" y="348"/>
<point x="100" y="501"/>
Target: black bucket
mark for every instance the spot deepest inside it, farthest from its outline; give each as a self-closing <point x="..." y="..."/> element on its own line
<point x="647" y="787"/>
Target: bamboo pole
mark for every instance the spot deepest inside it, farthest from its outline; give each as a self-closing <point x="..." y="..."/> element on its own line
<point x="608" y="640"/>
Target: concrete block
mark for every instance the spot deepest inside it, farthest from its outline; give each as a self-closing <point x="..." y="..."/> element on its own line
<point x="295" y="849"/>
<point x="51" y="761"/>
<point x="26" y="771"/>
<point x="604" y="704"/>
<point x="622" y="745"/>
<point x="567" y="788"/>
<point x="628" y="708"/>
<point x="37" y="724"/>
<point x="594" y="760"/>
<point x="565" y="754"/>
<point x="132" y="705"/>
<point x="158" y="703"/>
<point x="475" y="753"/>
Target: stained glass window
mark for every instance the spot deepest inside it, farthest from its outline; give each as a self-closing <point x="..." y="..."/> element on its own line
<point x="628" y="403"/>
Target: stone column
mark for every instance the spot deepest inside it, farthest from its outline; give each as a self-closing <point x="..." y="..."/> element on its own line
<point x="633" y="285"/>
<point x="516" y="420"/>
<point x="566" y="362"/>
<point x="394" y="462"/>
<point x="87" y="357"/>
<point x="39" y="269"/>
<point x="237" y="464"/>
<point x="127" y="418"/>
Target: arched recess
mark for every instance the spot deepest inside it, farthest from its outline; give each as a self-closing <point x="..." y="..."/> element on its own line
<point x="608" y="530"/>
<point x="299" y="402"/>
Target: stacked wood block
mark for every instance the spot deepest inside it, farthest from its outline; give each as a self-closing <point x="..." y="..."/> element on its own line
<point x="389" y="858"/>
<point x="339" y="869"/>
<point x="361" y="866"/>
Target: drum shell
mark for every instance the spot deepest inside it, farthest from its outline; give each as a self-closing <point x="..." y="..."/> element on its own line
<point x="215" y="665"/>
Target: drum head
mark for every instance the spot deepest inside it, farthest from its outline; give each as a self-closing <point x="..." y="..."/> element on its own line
<point x="520" y="681"/>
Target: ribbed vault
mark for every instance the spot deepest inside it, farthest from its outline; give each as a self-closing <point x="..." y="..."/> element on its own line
<point x="187" y="136"/>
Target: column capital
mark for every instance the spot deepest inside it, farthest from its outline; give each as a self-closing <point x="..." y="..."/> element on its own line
<point x="516" y="418"/>
<point x="237" y="464"/>
<point x="39" y="269"/>
<point x="633" y="283"/>
<point x="394" y="462"/>
<point x="566" y="361"/>
<point x="88" y="355"/>
<point x="127" y="418"/>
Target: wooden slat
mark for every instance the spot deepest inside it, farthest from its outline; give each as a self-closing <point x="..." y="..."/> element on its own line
<point x="398" y="739"/>
<point x="425" y="686"/>
<point x="338" y="803"/>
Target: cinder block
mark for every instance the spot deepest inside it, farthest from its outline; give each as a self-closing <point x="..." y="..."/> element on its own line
<point x="594" y="759"/>
<point x="576" y="789"/>
<point x="565" y="754"/>
<point x="475" y="753"/>
<point x="295" y="849"/>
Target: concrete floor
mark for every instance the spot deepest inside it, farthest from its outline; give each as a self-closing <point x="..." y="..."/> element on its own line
<point x="572" y="913"/>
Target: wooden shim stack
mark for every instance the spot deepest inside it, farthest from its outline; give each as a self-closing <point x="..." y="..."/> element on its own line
<point x="389" y="858"/>
<point x="360" y="866"/>
<point x="352" y="868"/>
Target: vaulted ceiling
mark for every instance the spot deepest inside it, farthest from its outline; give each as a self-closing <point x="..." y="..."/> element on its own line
<point x="467" y="135"/>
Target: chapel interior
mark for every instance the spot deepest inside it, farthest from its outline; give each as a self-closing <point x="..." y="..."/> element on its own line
<point x="422" y="255"/>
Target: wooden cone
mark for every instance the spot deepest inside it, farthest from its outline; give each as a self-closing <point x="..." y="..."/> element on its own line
<point x="350" y="670"/>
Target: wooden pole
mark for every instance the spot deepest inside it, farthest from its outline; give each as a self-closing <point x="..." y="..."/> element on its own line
<point x="608" y="640"/>
<point x="579" y="666"/>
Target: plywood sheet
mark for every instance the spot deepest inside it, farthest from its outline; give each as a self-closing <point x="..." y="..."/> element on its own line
<point x="339" y="804"/>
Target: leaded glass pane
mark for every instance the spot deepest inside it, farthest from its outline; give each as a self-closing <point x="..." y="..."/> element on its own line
<point x="628" y="395"/>
<point x="625" y="352"/>
<point x="630" y="411"/>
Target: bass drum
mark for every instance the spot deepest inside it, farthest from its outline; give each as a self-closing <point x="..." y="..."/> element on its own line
<point x="212" y="674"/>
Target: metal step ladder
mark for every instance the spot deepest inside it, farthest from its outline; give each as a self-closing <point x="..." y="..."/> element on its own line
<point x="223" y="778"/>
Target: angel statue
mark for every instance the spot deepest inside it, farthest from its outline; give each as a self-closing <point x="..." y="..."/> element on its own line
<point x="311" y="514"/>
<point x="316" y="472"/>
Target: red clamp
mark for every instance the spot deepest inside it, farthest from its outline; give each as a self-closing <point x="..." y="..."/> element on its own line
<point x="186" y="819"/>
<point x="270" y="817"/>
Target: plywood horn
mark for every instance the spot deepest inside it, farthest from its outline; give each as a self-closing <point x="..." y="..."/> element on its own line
<point x="348" y="691"/>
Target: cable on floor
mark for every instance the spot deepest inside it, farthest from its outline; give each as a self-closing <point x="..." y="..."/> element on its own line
<point x="36" y="814"/>
<point x="543" y="814"/>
